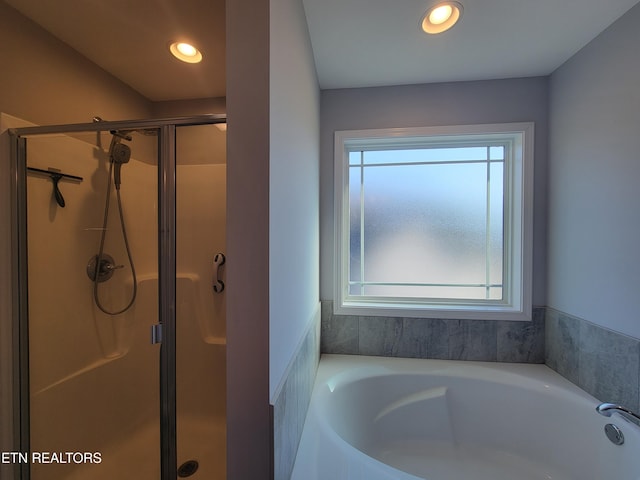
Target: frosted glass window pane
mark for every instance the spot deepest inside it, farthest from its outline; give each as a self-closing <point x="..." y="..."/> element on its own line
<point x="495" y="293"/>
<point x="425" y="224"/>
<point x="496" y="223"/>
<point x="354" y="224"/>
<point x="455" y="154"/>
<point x="432" y="291"/>
<point x="496" y="153"/>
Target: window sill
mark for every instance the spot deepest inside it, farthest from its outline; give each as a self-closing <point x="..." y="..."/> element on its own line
<point x="413" y="310"/>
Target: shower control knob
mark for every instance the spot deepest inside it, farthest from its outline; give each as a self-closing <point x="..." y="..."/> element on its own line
<point x="110" y="267"/>
<point x="103" y="270"/>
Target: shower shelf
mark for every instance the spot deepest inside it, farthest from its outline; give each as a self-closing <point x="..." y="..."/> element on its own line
<point x="56" y="176"/>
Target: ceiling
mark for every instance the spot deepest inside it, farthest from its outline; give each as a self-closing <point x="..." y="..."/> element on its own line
<point x="356" y="43"/>
<point x="130" y="40"/>
<point x="379" y="42"/>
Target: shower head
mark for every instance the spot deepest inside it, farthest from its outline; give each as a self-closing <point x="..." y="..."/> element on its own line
<point x="119" y="154"/>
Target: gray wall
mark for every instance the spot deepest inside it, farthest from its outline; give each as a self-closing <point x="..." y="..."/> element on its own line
<point x="272" y="151"/>
<point x="294" y="272"/>
<point x="293" y="186"/>
<point x="592" y="333"/>
<point x="248" y="422"/>
<point x="463" y="103"/>
<point x="46" y="82"/>
<point x="594" y="173"/>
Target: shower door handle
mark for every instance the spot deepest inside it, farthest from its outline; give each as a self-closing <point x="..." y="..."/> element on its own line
<point x="156" y="333"/>
<point x="218" y="261"/>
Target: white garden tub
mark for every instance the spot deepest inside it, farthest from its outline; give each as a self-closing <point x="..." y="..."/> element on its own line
<point x="374" y="418"/>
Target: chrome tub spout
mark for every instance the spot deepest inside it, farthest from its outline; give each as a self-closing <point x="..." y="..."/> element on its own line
<point x="607" y="409"/>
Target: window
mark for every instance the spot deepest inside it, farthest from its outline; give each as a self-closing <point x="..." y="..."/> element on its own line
<point x="434" y="222"/>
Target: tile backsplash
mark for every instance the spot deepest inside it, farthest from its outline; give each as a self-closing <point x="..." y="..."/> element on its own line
<point x="448" y="339"/>
<point x="604" y="363"/>
<point x="289" y="408"/>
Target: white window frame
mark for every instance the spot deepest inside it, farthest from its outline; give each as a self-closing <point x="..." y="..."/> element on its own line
<point x="518" y="223"/>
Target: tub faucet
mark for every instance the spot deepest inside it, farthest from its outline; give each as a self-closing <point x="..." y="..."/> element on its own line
<point x="607" y="409"/>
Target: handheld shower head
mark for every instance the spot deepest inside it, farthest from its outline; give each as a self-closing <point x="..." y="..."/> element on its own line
<point x="119" y="154"/>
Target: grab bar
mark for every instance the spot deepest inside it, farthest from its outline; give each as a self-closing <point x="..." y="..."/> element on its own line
<point x="218" y="261"/>
<point x="607" y="409"/>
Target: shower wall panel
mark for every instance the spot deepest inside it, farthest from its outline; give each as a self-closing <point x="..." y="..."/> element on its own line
<point x="200" y="320"/>
<point x="201" y="214"/>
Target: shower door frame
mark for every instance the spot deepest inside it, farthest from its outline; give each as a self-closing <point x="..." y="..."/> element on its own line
<point x="166" y="273"/>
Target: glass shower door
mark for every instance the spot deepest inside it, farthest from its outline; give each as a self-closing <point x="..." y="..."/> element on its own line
<point x="121" y="332"/>
<point x="200" y="301"/>
<point x="92" y="299"/>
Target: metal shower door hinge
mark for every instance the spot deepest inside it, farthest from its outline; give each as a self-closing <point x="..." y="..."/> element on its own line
<point x="156" y="333"/>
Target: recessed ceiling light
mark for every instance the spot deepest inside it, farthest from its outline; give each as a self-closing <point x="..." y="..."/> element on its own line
<point x="441" y="17"/>
<point x="185" y="52"/>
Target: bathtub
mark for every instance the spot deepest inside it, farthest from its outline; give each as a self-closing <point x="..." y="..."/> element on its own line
<point x="374" y="418"/>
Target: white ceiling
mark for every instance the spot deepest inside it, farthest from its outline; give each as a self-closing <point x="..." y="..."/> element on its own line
<point x="356" y="43"/>
<point x="379" y="42"/>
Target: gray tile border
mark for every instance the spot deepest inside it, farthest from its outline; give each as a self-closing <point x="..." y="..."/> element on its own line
<point x="433" y="338"/>
<point x="379" y="336"/>
<point x="602" y="362"/>
<point x="338" y="334"/>
<point x="609" y="365"/>
<point x="290" y="407"/>
<point x="424" y="338"/>
<point x="522" y="342"/>
<point x="473" y="340"/>
<point x="562" y="333"/>
<point x="606" y="364"/>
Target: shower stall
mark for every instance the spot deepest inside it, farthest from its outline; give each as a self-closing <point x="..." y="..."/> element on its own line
<point x="119" y="299"/>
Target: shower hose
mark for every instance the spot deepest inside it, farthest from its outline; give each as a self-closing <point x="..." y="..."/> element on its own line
<point x="101" y="251"/>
